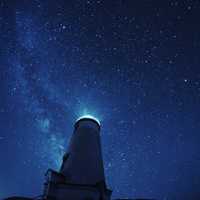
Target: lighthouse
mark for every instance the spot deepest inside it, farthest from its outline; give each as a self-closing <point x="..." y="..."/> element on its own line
<point x="81" y="176"/>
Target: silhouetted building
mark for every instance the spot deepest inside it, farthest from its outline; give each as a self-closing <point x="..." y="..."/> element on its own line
<point x="82" y="174"/>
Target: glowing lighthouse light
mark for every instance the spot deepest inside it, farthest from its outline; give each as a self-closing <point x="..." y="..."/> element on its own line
<point x="89" y="117"/>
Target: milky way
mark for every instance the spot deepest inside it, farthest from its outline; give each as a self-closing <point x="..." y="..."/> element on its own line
<point x="133" y="65"/>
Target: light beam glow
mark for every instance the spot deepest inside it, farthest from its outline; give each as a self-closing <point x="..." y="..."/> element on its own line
<point x="89" y="117"/>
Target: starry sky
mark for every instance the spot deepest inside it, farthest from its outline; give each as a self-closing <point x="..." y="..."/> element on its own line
<point x="135" y="65"/>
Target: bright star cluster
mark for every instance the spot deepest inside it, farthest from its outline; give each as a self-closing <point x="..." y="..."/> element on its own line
<point x="133" y="65"/>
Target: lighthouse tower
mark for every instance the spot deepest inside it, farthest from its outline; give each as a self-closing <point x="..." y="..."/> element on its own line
<point x="81" y="176"/>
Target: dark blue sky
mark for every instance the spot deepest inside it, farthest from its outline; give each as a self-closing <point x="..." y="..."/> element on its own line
<point x="135" y="65"/>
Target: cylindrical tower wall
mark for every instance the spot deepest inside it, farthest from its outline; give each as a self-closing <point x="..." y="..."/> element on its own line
<point x="83" y="163"/>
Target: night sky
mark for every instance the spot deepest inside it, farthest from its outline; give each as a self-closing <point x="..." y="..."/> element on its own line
<point x="135" y="65"/>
